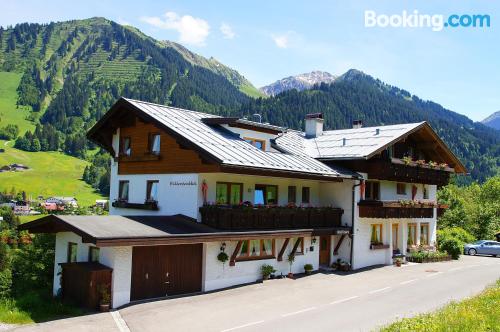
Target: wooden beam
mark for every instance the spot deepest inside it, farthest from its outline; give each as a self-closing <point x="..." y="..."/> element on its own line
<point x="232" y="262"/>
<point x="336" y="250"/>
<point x="283" y="248"/>
<point x="296" y="245"/>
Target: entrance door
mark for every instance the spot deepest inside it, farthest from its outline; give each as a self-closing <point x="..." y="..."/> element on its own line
<point x="159" y="271"/>
<point x="395" y="242"/>
<point x="324" y="250"/>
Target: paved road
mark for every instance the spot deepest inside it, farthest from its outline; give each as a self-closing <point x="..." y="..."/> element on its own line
<point x="356" y="302"/>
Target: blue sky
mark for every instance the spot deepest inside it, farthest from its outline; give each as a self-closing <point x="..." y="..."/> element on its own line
<point x="268" y="40"/>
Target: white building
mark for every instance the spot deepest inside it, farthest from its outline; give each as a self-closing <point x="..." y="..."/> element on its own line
<point x="187" y="186"/>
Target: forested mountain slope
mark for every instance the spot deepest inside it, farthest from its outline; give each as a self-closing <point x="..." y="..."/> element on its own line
<point x="72" y="72"/>
<point x="356" y="95"/>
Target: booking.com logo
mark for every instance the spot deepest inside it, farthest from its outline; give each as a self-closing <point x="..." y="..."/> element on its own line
<point x="416" y="20"/>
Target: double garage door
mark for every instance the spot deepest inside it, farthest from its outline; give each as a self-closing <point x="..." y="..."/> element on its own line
<point x="159" y="271"/>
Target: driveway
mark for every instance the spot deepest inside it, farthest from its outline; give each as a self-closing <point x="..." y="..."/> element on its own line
<point x="355" y="302"/>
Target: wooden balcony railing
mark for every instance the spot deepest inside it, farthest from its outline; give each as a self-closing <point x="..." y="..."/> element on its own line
<point x="238" y="218"/>
<point x="395" y="209"/>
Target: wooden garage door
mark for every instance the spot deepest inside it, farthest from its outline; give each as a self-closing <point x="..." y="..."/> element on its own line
<point x="159" y="271"/>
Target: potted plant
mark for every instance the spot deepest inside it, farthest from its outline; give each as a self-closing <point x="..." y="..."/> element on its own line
<point x="344" y="266"/>
<point x="105" y="298"/>
<point x="267" y="270"/>
<point x="398" y="261"/>
<point x="222" y="257"/>
<point x="308" y="269"/>
<point x="291" y="259"/>
<point x="407" y="160"/>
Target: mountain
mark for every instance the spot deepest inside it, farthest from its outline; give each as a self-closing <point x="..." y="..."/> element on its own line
<point x="356" y="95"/>
<point x="212" y="64"/>
<point x="298" y="82"/>
<point x="59" y="78"/>
<point x="493" y="121"/>
<point x="73" y="71"/>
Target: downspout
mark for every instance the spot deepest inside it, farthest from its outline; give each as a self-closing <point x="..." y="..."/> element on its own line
<point x="352" y="216"/>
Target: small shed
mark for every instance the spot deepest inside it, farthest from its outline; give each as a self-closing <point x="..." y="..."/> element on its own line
<point x="82" y="281"/>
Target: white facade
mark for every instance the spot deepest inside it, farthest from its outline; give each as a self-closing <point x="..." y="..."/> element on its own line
<point x="217" y="275"/>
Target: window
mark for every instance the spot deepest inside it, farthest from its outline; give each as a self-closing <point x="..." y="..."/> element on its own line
<point x="306" y="195"/>
<point x="154" y="144"/>
<point x="300" y="248"/>
<point x="292" y="194"/>
<point x="376" y="234"/>
<point x="256" y="249"/>
<point x="412" y="234"/>
<point x="126" y="146"/>
<point x="424" y="234"/>
<point x="228" y="193"/>
<point x="72" y="252"/>
<point x="401" y="188"/>
<point x="93" y="254"/>
<point x="266" y="194"/>
<point x="123" y="191"/>
<point x="258" y="143"/>
<point x="152" y="191"/>
<point x="426" y="192"/>
<point x="372" y="190"/>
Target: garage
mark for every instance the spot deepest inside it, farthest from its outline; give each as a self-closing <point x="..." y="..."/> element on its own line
<point x="166" y="270"/>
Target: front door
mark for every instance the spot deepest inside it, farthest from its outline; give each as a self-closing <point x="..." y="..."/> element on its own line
<point x="324" y="250"/>
<point x="395" y="242"/>
<point x="159" y="271"/>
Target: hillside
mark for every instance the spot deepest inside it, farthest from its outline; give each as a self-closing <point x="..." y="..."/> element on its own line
<point x="64" y="76"/>
<point x="493" y="121"/>
<point x="298" y="82"/>
<point x="356" y="95"/>
<point x="50" y="173"/>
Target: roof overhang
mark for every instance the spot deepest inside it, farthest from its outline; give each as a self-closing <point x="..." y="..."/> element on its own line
<point x="201" y="233"/>
<point x="244" y="124"/>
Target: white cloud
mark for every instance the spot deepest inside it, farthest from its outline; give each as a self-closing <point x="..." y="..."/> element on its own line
<point x="227" y="31"/>
<point x="286" y="40"/>
<point x="192" y="30"/>
<point x="121" y="21"/>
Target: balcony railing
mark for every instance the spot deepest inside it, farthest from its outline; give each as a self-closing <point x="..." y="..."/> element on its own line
<point x="239" y="218"/>
<point x="147" y="205"/>
<point x="396" y="209"/>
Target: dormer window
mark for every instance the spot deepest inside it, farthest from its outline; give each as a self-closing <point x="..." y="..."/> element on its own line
<point x="258" y="143"/>
<point x="126" y="146"/>
<point x="154" y="144"/>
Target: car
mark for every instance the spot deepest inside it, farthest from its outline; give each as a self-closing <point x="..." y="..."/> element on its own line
<point x="483" y="247"/>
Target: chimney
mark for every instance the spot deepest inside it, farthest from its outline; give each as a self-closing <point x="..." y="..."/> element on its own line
<point x="314" y="125"/>
<point x="356" y="124"/>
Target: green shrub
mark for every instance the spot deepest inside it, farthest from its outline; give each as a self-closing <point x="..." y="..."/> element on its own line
<point x="308" y="267"/>
<point x="456" y="232"/>
<point x="5" y="272"/>
<point x="452" y="245"/>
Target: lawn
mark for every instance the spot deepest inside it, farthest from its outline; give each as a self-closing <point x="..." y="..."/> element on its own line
<point x="479" y="313"/>
<point x="9" y="114"/>
<point x="35" y="307"/>
<point x="50" y="173"/>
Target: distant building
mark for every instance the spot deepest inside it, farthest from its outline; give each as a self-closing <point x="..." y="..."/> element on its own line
<point x="61" y="200"/>
<point x="102" y="203"/>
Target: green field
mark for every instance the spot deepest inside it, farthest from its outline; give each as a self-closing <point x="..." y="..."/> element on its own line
<point x="479" y="313"/>
<point x="51" y="173"/>
<point x="9" y="114"/>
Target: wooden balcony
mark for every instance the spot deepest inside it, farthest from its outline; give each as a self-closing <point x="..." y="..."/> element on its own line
<point x="395" y="209"/>
<point x="397" y="170"/>
<point x="239" y="218"/>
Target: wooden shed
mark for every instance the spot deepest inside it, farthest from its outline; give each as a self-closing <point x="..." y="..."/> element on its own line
<point x="82" y="281"/>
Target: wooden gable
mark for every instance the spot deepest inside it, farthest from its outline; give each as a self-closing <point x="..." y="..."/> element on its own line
<point x="173" y="157"/>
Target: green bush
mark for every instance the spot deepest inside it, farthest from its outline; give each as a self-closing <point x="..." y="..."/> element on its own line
<point x="452" y="240"/>
<point x="267" y="270"/>
<point x="452" y="245"/>
<point x="456" y="232"/>
<point x="5" y="272"/>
